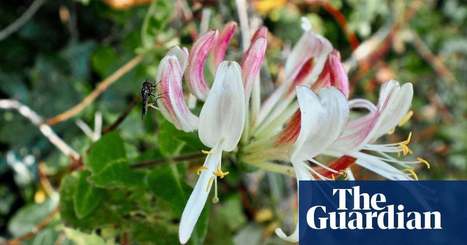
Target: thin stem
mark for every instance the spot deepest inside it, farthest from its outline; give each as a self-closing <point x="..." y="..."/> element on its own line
<point x="45" y="129"/>
<point x="39" y="227"/>
<point x="122" y="116"/>
<point x="153" y="162"/>
<point x="101" y="87"/>
<point x="23" y="19"/>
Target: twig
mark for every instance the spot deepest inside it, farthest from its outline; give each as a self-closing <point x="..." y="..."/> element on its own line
<point x="122" y="117"/>
<point x="148" y="163"/>
<point x="341" y="21"/>
<point x="23" y="19"/>
<point x="432" y="59"/>
<point x="101" y="87"/>
<point x="43" y="224"/>
<point x="369" y="52"/>
<point x="46" y="130"/>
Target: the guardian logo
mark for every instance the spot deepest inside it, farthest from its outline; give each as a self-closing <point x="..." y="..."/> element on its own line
<point x="368" y="212"/>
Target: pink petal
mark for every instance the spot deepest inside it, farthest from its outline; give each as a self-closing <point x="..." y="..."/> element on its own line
<point x="198" y="55"/>
<point x="253" y="59"/>
<point x="310" y="48"/>
<point x="222" y="42"/>
<point x="333" y="74"/>
<point x="172" y="103"/>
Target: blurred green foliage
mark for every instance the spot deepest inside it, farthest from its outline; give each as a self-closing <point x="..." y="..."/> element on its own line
<point x="58" y="57"/>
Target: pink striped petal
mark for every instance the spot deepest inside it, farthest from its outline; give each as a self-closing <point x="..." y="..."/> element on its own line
<point x="198" y="55"/>
<point x="181" y="54"/>
<point x="306" y="60"/>
<point x="172" y="102"/>
<point x="253" y="59"/>
<point x="222" y="42"/>
<point x="394" y="102"/>
<point x="333" y="74"/>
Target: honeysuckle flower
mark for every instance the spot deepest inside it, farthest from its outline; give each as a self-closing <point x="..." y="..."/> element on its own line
<point x="303" y="66"/>
<point x="172" y="100"/>
<point x="223" y="41"/>
<point x="222" y="120"/>
<point x="198" y="56"/>
<point x="306" y="116"/>
<point x="253" y="59"/>
<point x="326" y="129"/>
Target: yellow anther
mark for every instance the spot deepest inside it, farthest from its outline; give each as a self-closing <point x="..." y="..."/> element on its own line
<point x="219" y="173"/>
<point x="404" y="145"/>
<point x="206" y="152"/>
<point x="201" y="169"/>
<point x="421" y="160"/>
<point x="333" y="177"/>
<point x="405" y="149"/>
<point x="411" y="172"/>
<point x="215" y="200"/>
<point x="406" y="118"/>
<point x="407" y="141"/>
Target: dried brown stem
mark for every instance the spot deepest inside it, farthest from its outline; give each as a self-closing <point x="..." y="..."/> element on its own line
<point x="121" y="117"/>
<point x="46" y="130"/>
<point x="101" y="87"/>
<point x="432" y="59"/>
<point x="39" y="227"/>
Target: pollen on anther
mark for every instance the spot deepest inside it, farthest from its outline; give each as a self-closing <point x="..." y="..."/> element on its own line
<point x="219" y="173"/>
<point x="406" y="118"/>
<point x="206" y="152"/>
<point x="411" y="172"/>
<point x="201" y="169"/>
<point x="421" y="160"/>
<point x="404" y="145"/>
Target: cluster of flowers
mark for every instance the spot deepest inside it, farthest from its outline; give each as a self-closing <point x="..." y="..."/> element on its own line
<point x="307" y="115"/>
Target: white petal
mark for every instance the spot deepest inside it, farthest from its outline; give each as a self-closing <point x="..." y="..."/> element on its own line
<point x="302" y="173"/>
<point x="379" y="167"/>
<point x="198" y="197"/>
<point x="393" y="109"/>
<point x="322" y="121"/>
<point x="181" y="54"/>
<point x="290" y="238"/>
<point x="222" y="117"/>
<point x="310" y="45"/>
<point x="394" y="103"/>
<point x="356" y="131"/>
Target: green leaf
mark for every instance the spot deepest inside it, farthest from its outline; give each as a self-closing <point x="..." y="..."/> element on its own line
<point x="155" y="233"/>
<point x="108" y="149"/>
<point x="103" y="60"/>
<point x="97" y="218"/>
<point x="45" y="237"/>
<point x="118" y="174"/>
<point x="164" y="182"/>
<point x="109" y="166"/>
<point x="231" y="211"/>
<point x="81" y="238"/>
<point x="201" y="229"/>
<point x="26" y="219"/>
<point x="156" y="19"/>
<point x="173" y="141"/>
<point x="86" y="197"/>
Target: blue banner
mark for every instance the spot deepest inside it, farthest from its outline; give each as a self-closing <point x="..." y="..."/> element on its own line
<point x="383" y="212"/>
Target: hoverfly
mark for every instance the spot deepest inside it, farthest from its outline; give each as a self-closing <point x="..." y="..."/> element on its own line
<point x="148" y="91"/>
